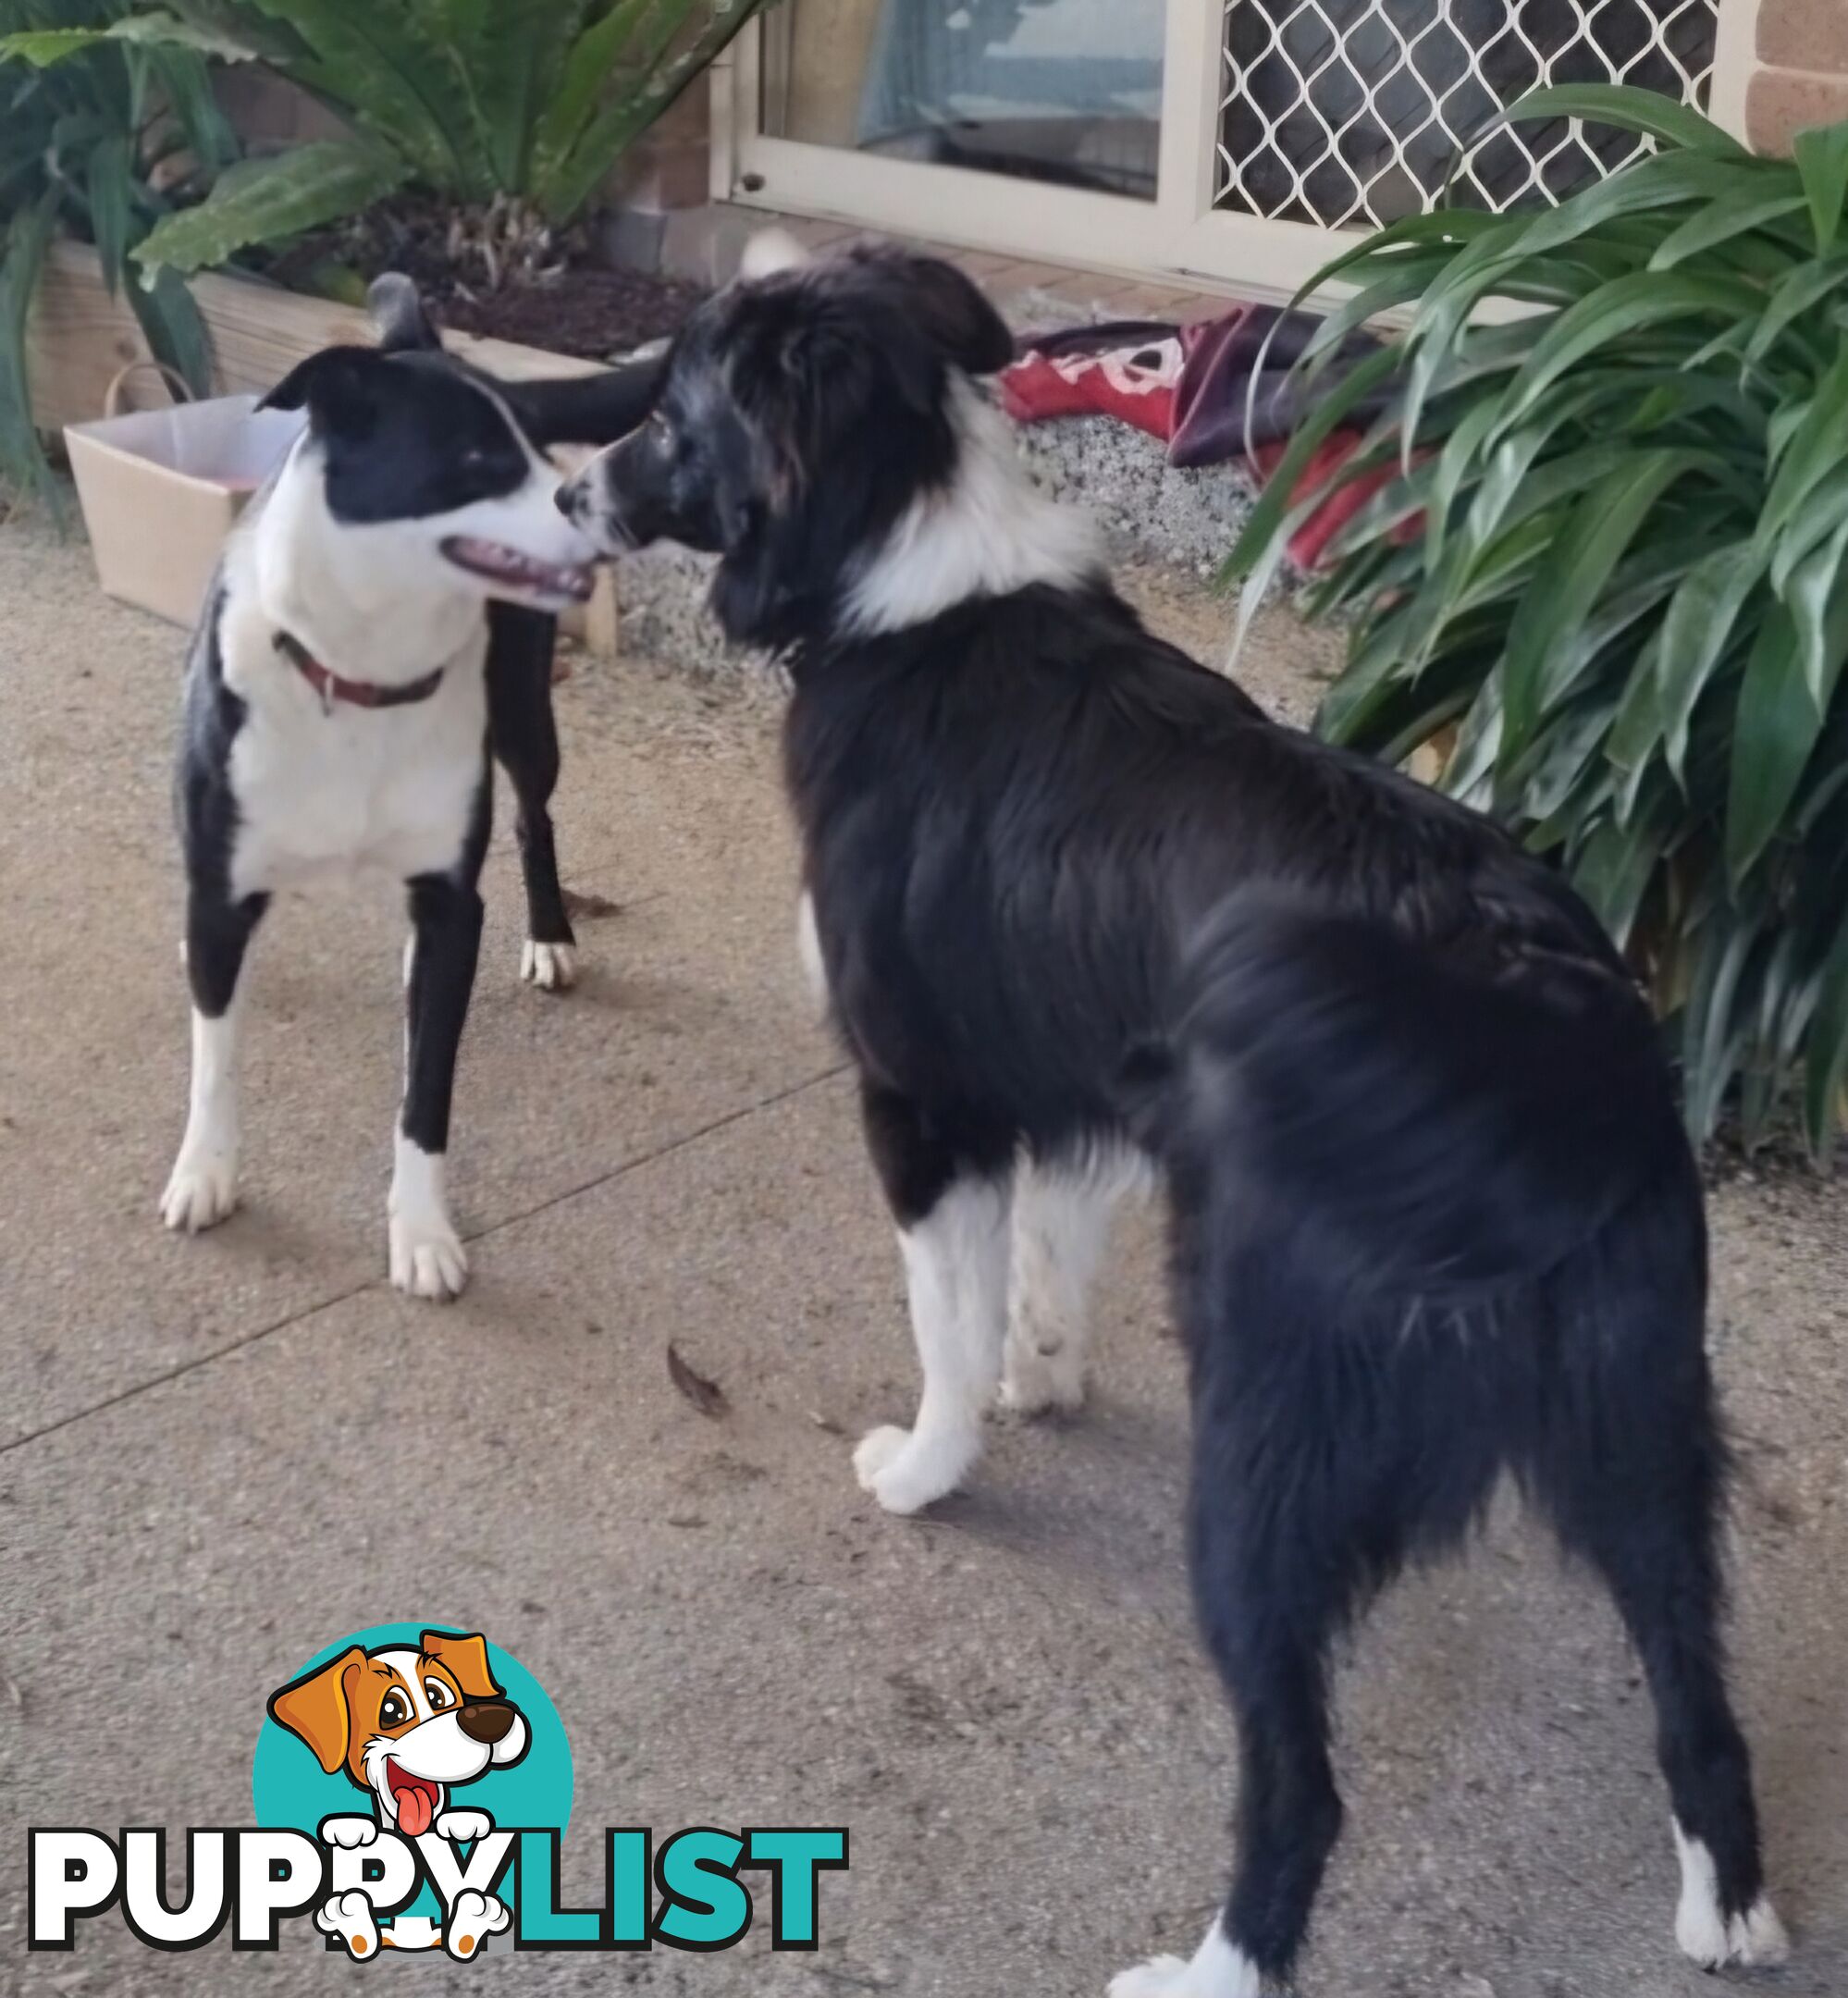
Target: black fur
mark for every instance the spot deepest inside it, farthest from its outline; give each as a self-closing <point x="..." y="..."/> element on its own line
<point x="1435" y="1216"/>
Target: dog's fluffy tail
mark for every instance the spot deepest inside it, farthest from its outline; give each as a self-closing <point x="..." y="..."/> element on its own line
<point x="1418" y="1126"/>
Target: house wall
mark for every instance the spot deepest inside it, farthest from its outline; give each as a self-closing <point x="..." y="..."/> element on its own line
<point x="1780" y="65"/>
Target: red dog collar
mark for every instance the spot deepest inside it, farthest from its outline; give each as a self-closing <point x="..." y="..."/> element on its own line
<point x="331" y="687"/>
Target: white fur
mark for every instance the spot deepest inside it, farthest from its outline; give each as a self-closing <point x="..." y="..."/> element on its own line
<point x="1062" y="1216"/>
<point x="473" y="1918"/>
<point x="808" y="955"/>
<point x="350" y="1917"/>
<point x="550" y="967"/>
<point x="202" y="1188"/>
<point x="350" y="1834"/>
<point x="955" y="1264"/>
<point x="1755" y="1938"/>
<point x="463" y="1827"/>
<point x="768" y="252"/>
<point x="1219" y="1969"/>
<point x="985" y="534"/>
<point x="427" y="1257"/>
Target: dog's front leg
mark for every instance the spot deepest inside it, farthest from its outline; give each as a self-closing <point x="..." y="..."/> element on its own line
<point x="427" y="1257"/>
<point x="203" y="1186"/>
<point x="950" y="1201"/>
<point x="524" y="737"/>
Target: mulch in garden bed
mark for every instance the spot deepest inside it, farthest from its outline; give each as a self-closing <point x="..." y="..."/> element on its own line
<point x="575" y="305"/>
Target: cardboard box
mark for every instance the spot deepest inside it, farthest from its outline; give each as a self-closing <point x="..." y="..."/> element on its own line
<point x="161" y="488"/>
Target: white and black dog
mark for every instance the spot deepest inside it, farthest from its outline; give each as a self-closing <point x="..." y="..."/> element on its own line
<point x="340" y="697"/>
<point x="1435" y="1216"/>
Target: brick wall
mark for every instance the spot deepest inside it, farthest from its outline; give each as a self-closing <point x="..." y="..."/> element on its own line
<point x="1782" y="65"/>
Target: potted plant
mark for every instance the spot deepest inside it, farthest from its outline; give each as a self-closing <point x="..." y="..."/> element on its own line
<point x="103" y="127"/>
<point x="1614" y="560"/>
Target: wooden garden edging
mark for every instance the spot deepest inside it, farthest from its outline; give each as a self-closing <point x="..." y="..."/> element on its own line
<point x="79" y="338"/>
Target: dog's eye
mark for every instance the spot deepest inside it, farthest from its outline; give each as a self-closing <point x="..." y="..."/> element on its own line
<point x="394" y="1709"/>
<point x="439" y="1694"/>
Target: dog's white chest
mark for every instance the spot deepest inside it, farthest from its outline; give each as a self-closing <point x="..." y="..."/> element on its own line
<point x="328" y="788"/>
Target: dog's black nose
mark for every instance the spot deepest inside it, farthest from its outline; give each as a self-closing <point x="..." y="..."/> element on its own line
<point x="566" y="497"/>
<point x="485" y="1721"/>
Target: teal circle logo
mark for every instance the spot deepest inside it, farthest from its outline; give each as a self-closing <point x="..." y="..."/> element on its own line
<point x="426" y="1730"/>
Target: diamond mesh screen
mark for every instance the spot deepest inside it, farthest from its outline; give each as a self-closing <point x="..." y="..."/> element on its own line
<point x="1348" y="113"/>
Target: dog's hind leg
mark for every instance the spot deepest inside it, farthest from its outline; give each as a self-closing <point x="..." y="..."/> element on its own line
<point x="202" y="1188"/>
<point x="950" y="1194"/>
<point x="1062" y="1216"/>
<point x="427" y="1257"/>
<point x="524" y="731"/>
<point x="1631" y="1467"/>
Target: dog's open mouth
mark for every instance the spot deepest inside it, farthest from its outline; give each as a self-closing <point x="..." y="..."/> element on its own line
<point x="526" y="574"/>
<point x="415" y="1797"/>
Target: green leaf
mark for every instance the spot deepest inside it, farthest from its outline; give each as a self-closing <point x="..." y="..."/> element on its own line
<point x="563" y="187"/>
<point x="1775" y="729"/>
<point x="1821" y="158"/>
<point x="1805" y="287"/>
<point x="385" y="64"/>
<point x="45" y="47"/>
<point x="510" y="55"/>
<point x="109" y="187"/>
<point x="1810" y="450"/>
<point x="176" y="333"/>
<point x="1617" y="310"/>
<point x="270" y="200"/>
<point x="587" y="68"/>
<point x="1573" y="576"/>
<point x="1696" y="629"/>
<point x="1627" y="108"/>
<point x="22" y="255"/>
<point x="1731" y="216"/>
<point x="1817" y="600"/>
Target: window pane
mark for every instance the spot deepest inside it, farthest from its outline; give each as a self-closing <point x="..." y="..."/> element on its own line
<point x="1067" y="91"/>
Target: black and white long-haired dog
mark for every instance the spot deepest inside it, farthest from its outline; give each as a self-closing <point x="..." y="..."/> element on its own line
<point x="341" y="694"/>
<point x="1435" y="1218"/>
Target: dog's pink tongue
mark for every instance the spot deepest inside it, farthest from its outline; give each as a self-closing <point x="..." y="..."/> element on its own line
<point x="414" y="1812"/>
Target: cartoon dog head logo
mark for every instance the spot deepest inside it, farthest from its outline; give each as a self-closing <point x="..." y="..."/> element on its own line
<point x="409" y="1726"/>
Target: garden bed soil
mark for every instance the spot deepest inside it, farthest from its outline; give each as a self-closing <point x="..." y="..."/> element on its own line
<point x="570" y="304"/>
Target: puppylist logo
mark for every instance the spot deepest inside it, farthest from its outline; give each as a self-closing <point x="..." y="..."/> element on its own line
<point x="412" y="1788"/>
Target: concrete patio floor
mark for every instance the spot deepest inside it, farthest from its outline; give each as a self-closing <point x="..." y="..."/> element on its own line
<point x="216" y="1456"/>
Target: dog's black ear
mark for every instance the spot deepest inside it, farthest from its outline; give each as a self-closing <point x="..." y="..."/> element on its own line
<point x="955" y="314"/>
<point x="338" y="387"/>
<point x="588" y="409"/>
<point x="398" y="315"/>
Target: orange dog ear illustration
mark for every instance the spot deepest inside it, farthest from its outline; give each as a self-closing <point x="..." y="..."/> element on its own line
<point x="315" y="1706"/>
<point x="466" y="1657"/>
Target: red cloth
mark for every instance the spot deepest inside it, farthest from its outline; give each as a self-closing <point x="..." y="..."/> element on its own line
<point x="1187" y="387"/>
<point x="1134" y="383"/>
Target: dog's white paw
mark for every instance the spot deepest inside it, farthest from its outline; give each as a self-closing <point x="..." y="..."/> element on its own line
<point x="348" y="1833"/>
<point x="1038" y="1383"/>
<point x="471" y="1921"/>
<point x="906" y="1472"/>
<point x="1218" y="1969"/>
<point x="427" y="1258"/>
<point x="1754" y="1940"/>
<point x="463" y="1827"/>
<point x="550" y="967"/>
<point x="350" y="1917"/>
<point x="200" y="1192"/>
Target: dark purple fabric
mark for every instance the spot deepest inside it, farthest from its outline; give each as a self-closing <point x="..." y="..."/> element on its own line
<point x="1216" y="390"/>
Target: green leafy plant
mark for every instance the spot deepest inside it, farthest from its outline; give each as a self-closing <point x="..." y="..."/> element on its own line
<point x="1609" y="566"/>
<point x="86" y="146"/>
<point x="514" y="111"/>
